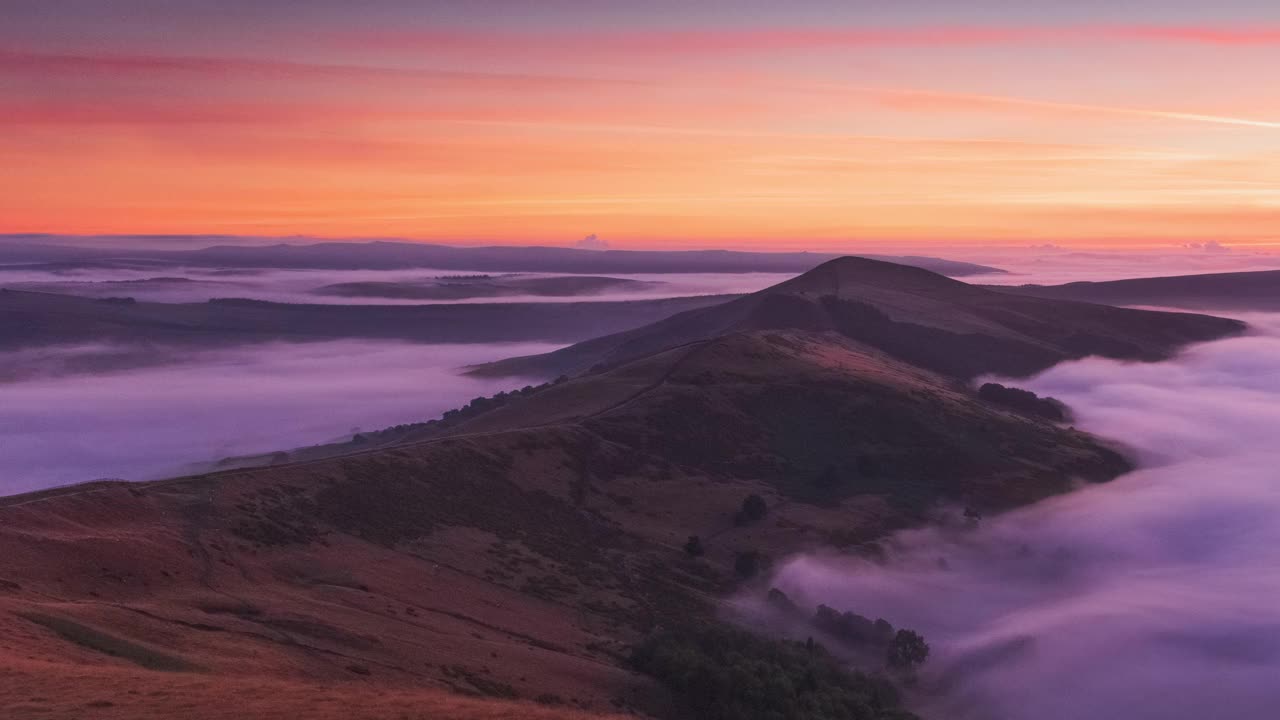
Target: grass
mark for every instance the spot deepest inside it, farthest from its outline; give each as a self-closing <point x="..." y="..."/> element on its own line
<point x="107" y="644"/>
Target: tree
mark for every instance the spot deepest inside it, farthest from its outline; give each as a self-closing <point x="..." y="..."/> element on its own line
<point x="754" y="508"/>
<point x="779" y="601"/>
<point x="694" y="546"/>
<point x="907" y="650"/>
<point x="724" y="673"/>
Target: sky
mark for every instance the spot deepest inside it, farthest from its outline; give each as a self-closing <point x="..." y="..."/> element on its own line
<point x="817" y="124"/>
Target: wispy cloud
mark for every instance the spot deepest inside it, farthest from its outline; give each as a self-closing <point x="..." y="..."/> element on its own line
<point x="793" y="38"/>
<point x="933" y="100"/>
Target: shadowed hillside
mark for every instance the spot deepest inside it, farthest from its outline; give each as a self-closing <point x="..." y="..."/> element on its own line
<point x="1256" y="291"/>
<point x="387" y="255"/>
<point x="34" y="319"/>
<point x="914" y="315"/>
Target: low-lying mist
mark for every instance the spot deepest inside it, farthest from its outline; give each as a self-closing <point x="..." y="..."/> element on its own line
<point x="1154" y="596"/>
<point x="145" y="422"/>
<point x="1054" y="265"/>
<point x="173" y="284"/>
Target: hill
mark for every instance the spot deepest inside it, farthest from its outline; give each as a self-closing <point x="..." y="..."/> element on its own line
<point x="487" y="286"/>
<point x="33" y="319"/>
<point x="520" y="555"/>
<point x="38" y="691"/>
<point x="398" y="255"/>
<point x="523" y="550"/>
<point x="1234" y="291"/>
<point x="919" y="317"/>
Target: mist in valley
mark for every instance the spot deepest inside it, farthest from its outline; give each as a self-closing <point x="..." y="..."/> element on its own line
<point x="197" y="285"/>
<point x="64" y="419"/>
<point x="1149" y="597"/>
<point x="1051" y="265"/>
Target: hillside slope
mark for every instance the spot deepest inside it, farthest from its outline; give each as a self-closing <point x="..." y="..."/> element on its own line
<point x="521" y="552"/>
<point x="34" y="319"/>
<point x="1235" y="291"/>
<point x="515" y="561"/>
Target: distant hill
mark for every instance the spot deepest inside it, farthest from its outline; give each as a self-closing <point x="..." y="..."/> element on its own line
<point x="33" y="319"/>
<point x="1239" y="291"/>
<point x="387" y="255"/>
<point x="912" y="314"/>
<point x="467" y="287"/>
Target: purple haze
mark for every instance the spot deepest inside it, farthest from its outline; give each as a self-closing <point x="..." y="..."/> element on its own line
<point x="142" y="423"/>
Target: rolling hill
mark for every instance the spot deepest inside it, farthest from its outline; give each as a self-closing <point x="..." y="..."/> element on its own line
<point x="1234" y="291"/>
<point x="919" y="317"/>
<point x="397" y="255"/>
<point x="34" y="319"/>
<point x="488" y="286"/>
<point x="519" y="552"/>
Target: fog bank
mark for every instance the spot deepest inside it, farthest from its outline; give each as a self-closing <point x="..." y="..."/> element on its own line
<point x="142" y="423"/>
<point x="1154" y="596"/>
<point x="1053" y="265"/>
<point x="173" y="284"/>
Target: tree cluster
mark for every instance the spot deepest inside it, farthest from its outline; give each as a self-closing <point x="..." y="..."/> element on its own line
<point x="724" y="673"/>
<point x="477" y="406"/>
<point x="1023" y="401"/>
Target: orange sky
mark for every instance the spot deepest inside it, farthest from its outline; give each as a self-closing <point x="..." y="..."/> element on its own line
<point x="768" y="135"/>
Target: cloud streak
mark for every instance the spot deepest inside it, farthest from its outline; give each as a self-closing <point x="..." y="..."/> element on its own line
<point x="707" y="41"/>
<point x="640" y="125"/>
<point x="930" y="100"/>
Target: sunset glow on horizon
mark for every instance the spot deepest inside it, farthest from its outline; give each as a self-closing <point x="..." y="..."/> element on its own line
<point x="744" y="125"/>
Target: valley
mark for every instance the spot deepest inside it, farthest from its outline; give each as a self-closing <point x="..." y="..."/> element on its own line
<point x="521" y="551"/>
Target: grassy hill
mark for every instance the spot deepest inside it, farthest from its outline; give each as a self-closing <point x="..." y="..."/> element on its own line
<point x="523" y="551"/>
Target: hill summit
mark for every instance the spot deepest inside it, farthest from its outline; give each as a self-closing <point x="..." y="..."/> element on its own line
<point x="912" y="314"/>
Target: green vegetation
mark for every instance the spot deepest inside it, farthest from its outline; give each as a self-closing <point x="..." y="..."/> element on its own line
<point x="728" y="674"/>
<point x="753" y="509"/>
<point x="907" y="650"/>
<point x="904" y="650"/>
<point x="852" y="628"/>
<point x="1024" y="401"/>
<point x="477" y="406"/>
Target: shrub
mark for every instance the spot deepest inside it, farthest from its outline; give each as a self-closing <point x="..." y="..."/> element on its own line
<point x="1023" y="401"/>
<point x="694" y="546"/>
<point x="907" y="650"/>
<point x="753" y="509"/>
<point x="779" y="601"/>
<point x="852" y="628"/>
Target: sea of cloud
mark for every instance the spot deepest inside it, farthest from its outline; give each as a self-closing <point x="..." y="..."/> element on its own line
<point x="61" y="423"/>
<point x="196" y="285"/>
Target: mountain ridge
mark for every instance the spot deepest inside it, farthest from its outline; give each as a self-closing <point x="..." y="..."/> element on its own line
<point x="1257" y="290"/>
<point x="388" y="254"/>
<point x="915" y="312"/>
